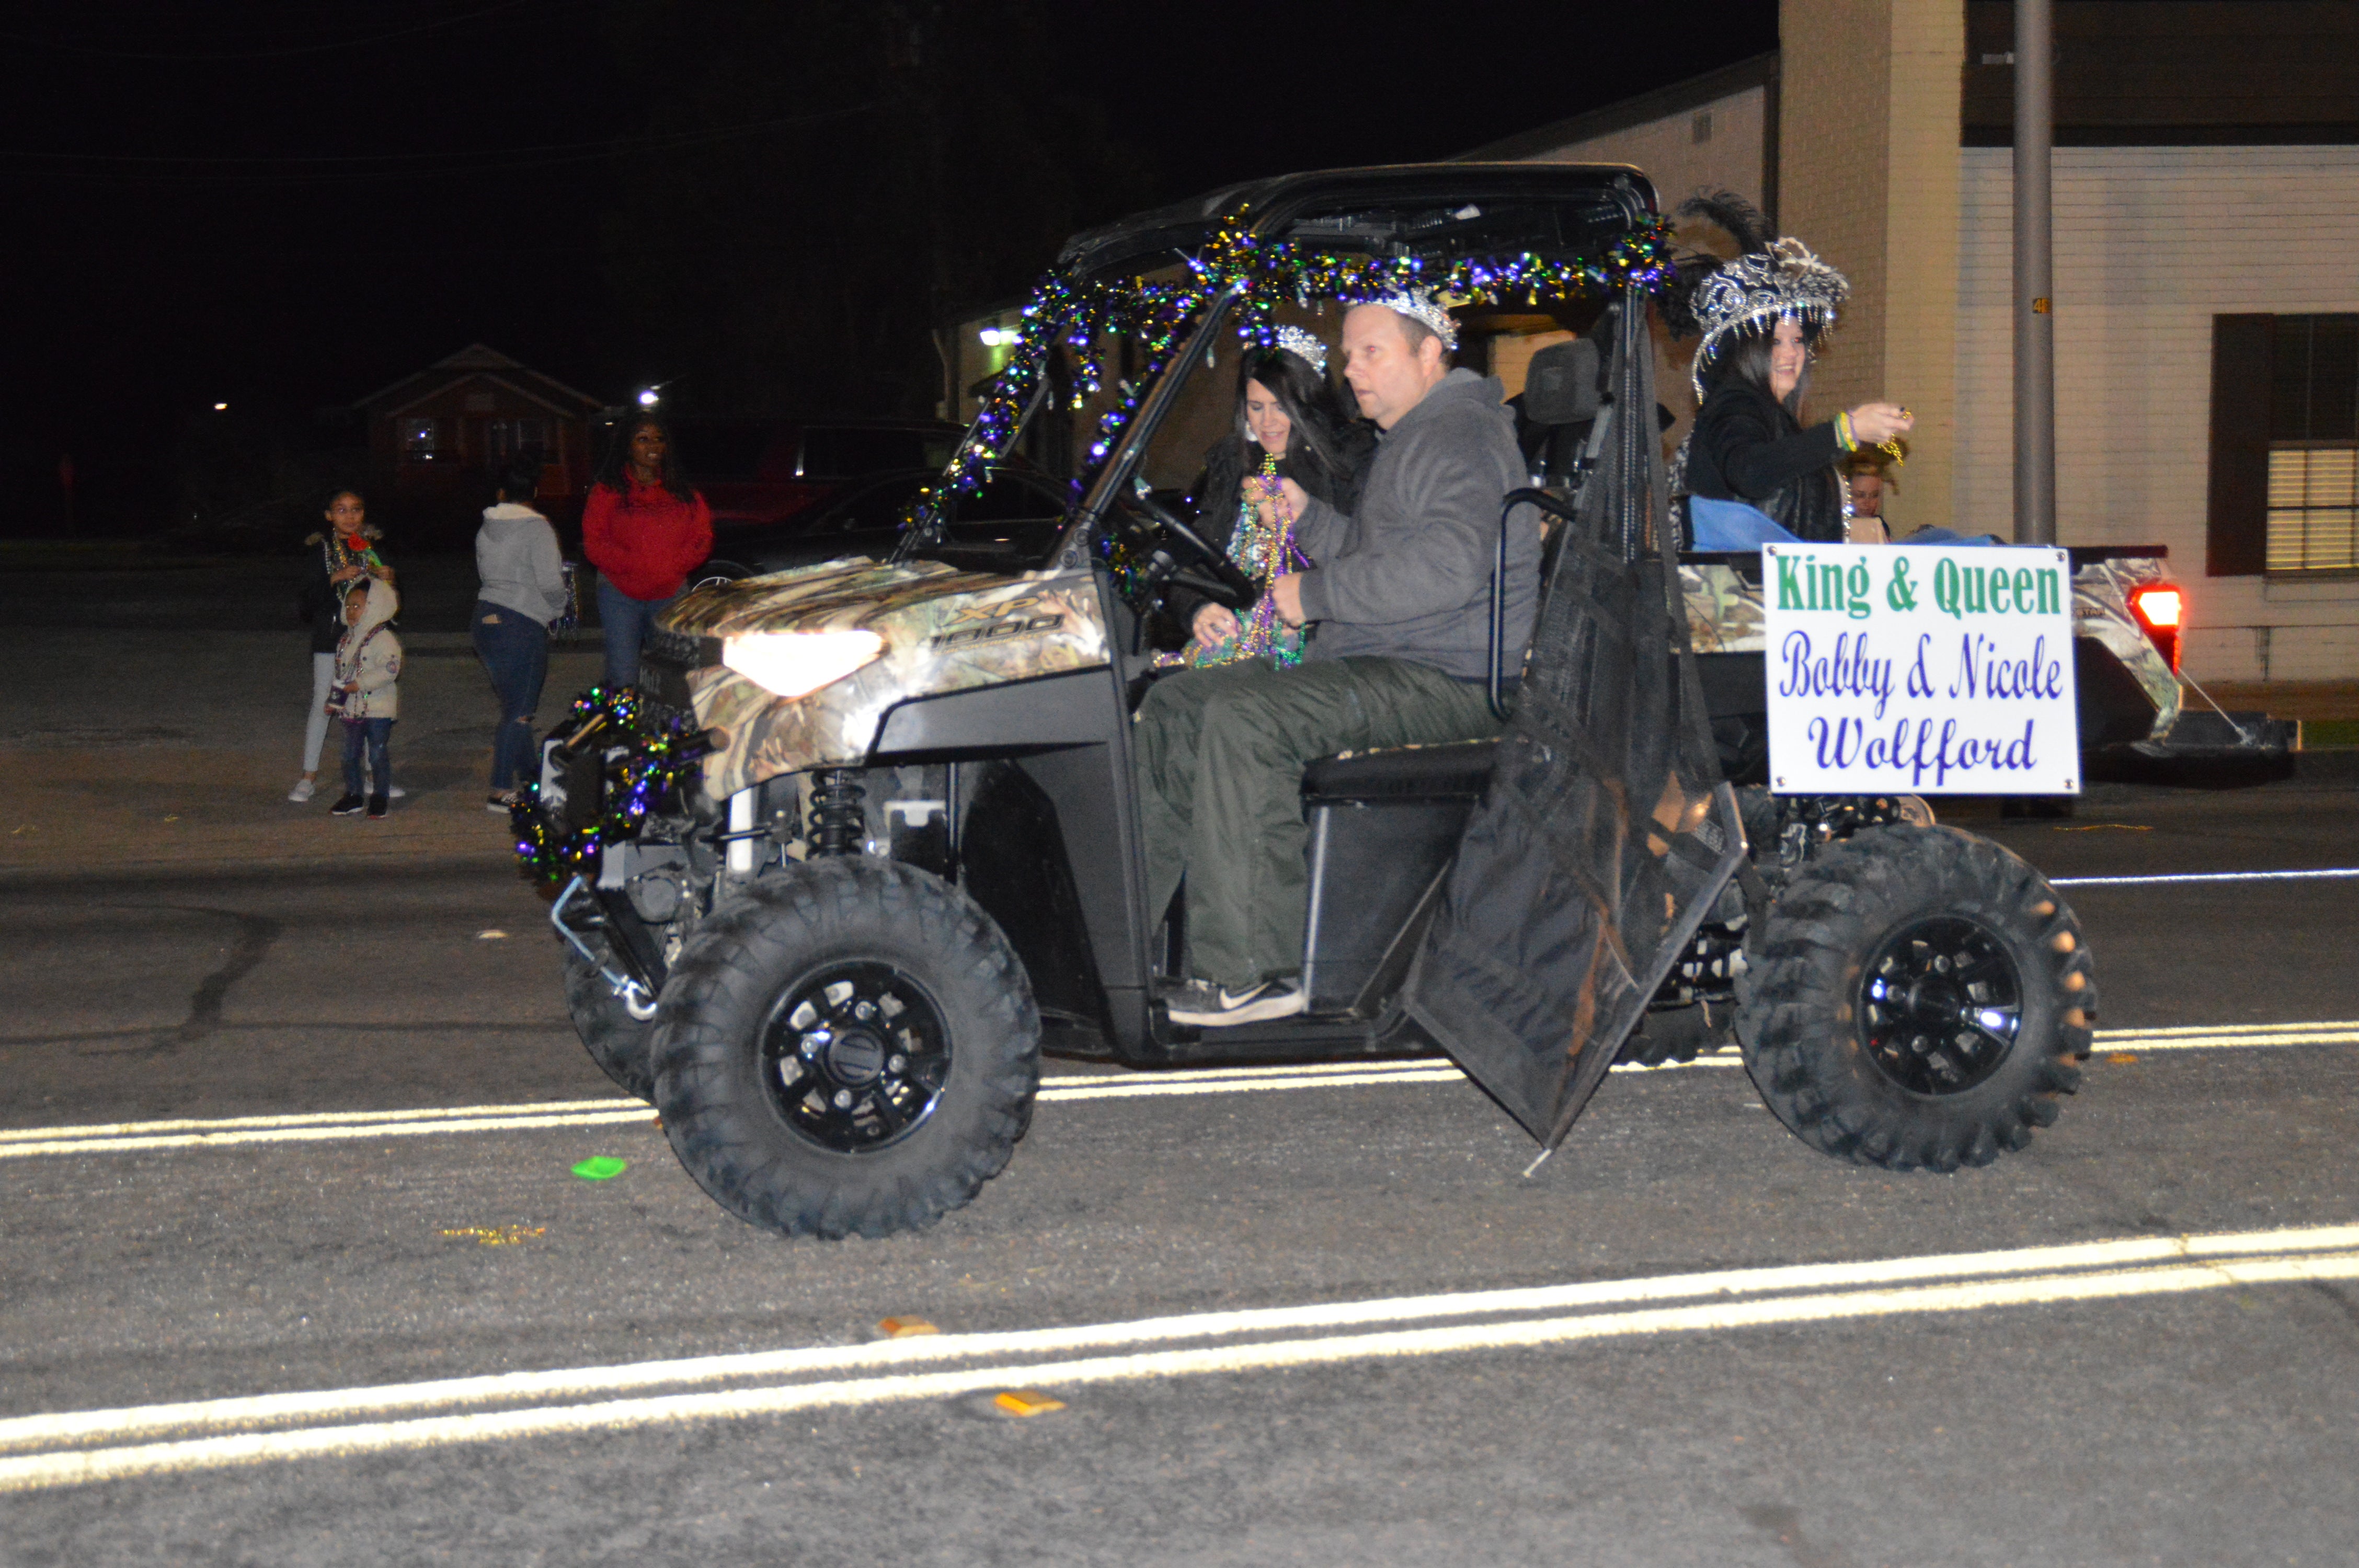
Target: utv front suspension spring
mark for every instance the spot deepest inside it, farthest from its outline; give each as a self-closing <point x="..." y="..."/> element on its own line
<point x="839" y="826"/>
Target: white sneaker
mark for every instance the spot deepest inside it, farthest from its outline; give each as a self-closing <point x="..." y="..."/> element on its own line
<point x="304" y="790"/>
<point x="394" y="792"/>
<point x="1211" y="1007"/>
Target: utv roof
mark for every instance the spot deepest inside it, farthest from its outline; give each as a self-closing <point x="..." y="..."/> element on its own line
<point x="1425" y="209"/>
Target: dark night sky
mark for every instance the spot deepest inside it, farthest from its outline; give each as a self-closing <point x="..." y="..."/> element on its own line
<point x="285" y="203"/>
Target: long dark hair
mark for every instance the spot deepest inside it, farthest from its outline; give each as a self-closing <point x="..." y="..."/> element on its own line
<point x="1747" y="360"/>
<point x="1326" y="451"/>
<point x="616" y="460"/>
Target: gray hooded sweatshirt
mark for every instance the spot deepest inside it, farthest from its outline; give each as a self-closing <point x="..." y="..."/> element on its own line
<point x="1409" y="576"/>
<point x="516" y="556"/>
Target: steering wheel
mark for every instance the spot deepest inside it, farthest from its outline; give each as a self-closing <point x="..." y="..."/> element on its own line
<point x="1169" y="552"/>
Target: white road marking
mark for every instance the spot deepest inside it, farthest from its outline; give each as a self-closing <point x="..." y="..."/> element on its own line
<point x="1721" y="1300"/>
<point x="132" y="1137"/>
<point x="2200" y="877"/>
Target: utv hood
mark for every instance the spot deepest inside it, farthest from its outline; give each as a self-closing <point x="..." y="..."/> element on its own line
<point x="940" y="629"/>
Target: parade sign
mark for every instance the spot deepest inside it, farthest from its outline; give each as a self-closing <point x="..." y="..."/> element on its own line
<point x="1919" y="670"/>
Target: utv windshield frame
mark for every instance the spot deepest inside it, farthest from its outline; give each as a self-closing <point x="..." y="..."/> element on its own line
<point x="1437" y="213"/>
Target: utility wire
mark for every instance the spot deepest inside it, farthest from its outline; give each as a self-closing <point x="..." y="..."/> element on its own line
<point x="281" y="52"/>
<point x="278" y="169"/>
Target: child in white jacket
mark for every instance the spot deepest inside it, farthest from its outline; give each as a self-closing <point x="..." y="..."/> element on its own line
<point x="365" y="697"/>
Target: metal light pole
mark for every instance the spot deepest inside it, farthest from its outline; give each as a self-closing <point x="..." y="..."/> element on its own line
<point x="2035" y="325"/>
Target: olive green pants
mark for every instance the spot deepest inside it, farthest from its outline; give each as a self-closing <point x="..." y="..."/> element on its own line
<point x="1220" y="754"/>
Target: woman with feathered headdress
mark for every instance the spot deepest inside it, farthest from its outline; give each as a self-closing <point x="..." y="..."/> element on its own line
<point x="1752" y="472"/>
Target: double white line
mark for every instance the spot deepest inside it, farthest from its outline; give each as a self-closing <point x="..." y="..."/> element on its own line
<point x="131" y="1137"/>
<point x="69" y="1448"/>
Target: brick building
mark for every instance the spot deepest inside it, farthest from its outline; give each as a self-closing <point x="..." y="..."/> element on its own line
<point x="2206" y="273"/>
<point x="436" y="438"/>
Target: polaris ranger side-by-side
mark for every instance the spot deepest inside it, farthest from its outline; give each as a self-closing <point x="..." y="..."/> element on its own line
<point x="867" y="838"/>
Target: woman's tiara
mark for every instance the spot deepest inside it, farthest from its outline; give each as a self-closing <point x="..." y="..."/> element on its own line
<point x="1304" y="346"/>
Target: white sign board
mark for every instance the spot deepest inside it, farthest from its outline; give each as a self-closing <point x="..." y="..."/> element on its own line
<point x="1919" y="670"/>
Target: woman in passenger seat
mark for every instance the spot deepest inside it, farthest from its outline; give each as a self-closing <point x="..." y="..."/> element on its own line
<point x="1290" y="425"/>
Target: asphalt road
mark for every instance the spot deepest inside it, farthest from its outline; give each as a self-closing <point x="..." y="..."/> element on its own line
<point x="1307" y="1319"/>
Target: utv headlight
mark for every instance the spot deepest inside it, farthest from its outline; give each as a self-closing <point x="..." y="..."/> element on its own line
<point x="796" y="663"/>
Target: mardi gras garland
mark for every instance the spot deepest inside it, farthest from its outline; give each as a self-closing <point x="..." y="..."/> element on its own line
<point x="643" y="757"/>
<point x="1081" y="314"/>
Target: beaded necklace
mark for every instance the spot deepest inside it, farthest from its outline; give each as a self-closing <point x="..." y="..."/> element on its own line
<point x="1263" y="549"/>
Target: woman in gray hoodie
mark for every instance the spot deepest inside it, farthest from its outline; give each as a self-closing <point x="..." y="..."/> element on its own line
<point x="523" y="591"/>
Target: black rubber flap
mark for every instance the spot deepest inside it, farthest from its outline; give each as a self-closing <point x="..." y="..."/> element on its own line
<point x="1607" y="834"/>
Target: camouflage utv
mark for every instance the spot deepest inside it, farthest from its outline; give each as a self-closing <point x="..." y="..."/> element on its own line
<point x="866" y="842"/>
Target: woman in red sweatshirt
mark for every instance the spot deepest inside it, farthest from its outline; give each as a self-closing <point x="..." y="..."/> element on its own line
<point x="645" y="530"/>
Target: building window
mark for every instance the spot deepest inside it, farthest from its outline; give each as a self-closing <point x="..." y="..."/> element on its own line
<point x="2314" y="444"/>
<point x="2285" y="445"/>
<point x="504" y="439"/>
<point x="422" y="440"/>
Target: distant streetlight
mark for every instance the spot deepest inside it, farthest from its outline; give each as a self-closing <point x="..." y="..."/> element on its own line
<point x="221" y="408"/>
<point x="648" y="399"/>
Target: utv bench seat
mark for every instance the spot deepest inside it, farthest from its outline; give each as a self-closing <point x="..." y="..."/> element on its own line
<point x="1457" y="772"/>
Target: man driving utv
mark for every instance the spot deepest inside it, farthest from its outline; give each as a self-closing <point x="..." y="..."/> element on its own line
<point x="1398" y="597"/>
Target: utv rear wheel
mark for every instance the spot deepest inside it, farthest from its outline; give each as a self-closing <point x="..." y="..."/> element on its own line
<point x="616" y="1039"/>
<point x="852" y="1049"/>
<point x="1917" y="996"/>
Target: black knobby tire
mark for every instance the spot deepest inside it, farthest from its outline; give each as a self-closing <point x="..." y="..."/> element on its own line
<point x="615" y="1040"/>
<point x="786" y="1107"/>
<point x="1917" y="998"/>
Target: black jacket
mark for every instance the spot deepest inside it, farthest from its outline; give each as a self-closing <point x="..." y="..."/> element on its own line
<point x="1216" y="493"/>
<point x="319" y="604"/>
<point x="1746" y="446"/>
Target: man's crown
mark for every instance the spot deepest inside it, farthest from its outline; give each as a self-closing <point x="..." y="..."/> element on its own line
<point x="1421" y="306"/>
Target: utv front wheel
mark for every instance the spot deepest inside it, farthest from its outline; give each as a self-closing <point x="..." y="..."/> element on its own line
<point x="852" y="1049"/>
<point x="1918" y="997"/>
<point x="616" y="1036"/>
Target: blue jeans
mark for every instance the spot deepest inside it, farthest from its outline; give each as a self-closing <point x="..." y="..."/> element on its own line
<point x="376" y="734"/>
<point x="515" y="650"/>
<point x="627" y="622"/>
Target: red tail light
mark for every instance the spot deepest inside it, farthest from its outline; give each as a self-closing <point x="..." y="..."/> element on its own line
<point x="2158" y="610"/>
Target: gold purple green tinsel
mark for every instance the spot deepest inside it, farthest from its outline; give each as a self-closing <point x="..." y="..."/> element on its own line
<point x="645" y="757"/>
<point x="1156" y="317"/>
<point x="1263" y="550"/>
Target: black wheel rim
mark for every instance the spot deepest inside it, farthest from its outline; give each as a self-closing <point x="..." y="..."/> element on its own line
<point x="856" y="1056"/>
<point x="1941" y="1005"/>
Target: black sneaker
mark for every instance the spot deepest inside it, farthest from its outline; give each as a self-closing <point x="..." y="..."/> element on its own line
<point x="1209" y="1006"/>
<point x="377" y="805"/>
<point x="349" y="806"/>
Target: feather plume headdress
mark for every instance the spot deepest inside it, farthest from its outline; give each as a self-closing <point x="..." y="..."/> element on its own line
<point x="1772" y="280"/>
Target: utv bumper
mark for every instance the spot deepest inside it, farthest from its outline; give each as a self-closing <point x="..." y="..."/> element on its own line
<point x="2216" y="738"/>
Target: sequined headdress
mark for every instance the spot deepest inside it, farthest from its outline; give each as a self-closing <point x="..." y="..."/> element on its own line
<point x="1773" y="280"/>
<point x="1304" y="346"/>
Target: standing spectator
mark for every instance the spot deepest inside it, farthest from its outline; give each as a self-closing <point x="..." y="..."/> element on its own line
<point x="366" y="696"/>
<point x="342" y="552"/>
<point x="645" y="530"/>
<point x="523" y="591"/>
